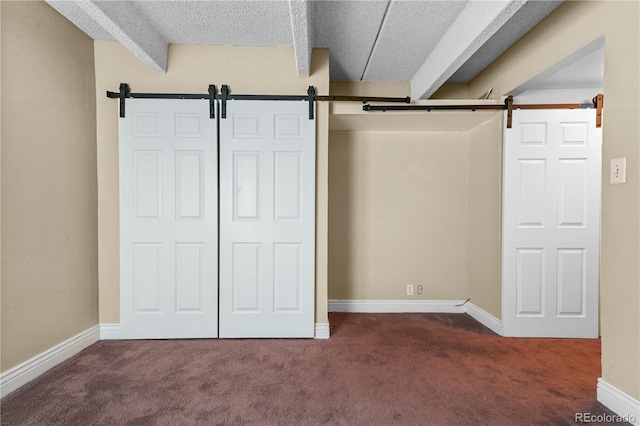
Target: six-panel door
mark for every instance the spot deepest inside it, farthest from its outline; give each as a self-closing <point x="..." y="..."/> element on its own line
<point x="168" y="220"/>
<point x="551" y="224"/>
<point x="267" y="220"/>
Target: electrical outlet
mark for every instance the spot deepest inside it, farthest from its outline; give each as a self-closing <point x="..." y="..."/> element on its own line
<point x="419" y="290"/>
<point x="409" y="290"/>
<point x="618" y="170"/>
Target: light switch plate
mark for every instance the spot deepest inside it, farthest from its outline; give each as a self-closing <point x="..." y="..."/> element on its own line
<point x="618" y="171"/>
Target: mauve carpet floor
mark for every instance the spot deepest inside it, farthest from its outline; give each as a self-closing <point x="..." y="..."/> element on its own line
<point x="377" y="369"/>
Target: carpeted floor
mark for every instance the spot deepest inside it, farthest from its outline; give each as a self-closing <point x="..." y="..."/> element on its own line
<point x="377" y="369"/>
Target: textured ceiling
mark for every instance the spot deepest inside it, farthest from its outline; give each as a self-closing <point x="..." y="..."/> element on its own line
<point x="408" y="35"/>
<point x="349" y="29"/>
<point x="425" y="42"/>
<point x="254" y="23"/>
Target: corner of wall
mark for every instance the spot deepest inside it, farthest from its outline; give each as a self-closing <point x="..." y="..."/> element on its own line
<point x="484" y="223"/>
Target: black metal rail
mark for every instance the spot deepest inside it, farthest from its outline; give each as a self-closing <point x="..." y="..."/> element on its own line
<point x="226" y="95"/>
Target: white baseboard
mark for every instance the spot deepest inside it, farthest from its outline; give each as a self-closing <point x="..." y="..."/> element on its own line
<point x="112" y="331"/>
<point x="322" y="330"/>
<point x="22" y="374"/>
<point x="419" y="306"/>
<point x="109" y="331"/>
<point x="397" y="306"/>
<point x="619" y="402"/>
<point x="484" y="318"/>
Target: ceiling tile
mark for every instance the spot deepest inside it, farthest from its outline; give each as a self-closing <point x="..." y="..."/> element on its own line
<point x="349" y="29"/>
<point x="410" y="31"/>
<point x="243" y="23"/>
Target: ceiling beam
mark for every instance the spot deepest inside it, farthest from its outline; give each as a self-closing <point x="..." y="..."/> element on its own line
<point x="301" y="35"/>
<point x="123" y="22"/>
<point x="469" y="32"/>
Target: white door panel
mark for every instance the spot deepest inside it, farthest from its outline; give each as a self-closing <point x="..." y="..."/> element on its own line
<point x="551" y="224"/>
<point x="267" y="220"/>
<point x="168" y="220"/>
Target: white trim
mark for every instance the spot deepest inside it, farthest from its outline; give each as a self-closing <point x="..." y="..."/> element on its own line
<point x="397" y="306"/>
<point x="619" y="402"/>
<point x="112" y="331"/>
<point x="322" y="330"/>
<point x="419" y="306"/>
<point x="109" y="331"/>
<point x="484" y="318"/>
<point x="22" y="374"/>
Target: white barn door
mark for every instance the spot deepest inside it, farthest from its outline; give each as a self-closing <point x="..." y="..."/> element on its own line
<point x="551" y="224"/>
<point x="168" y="220"/>
<point x="267" y="219"/>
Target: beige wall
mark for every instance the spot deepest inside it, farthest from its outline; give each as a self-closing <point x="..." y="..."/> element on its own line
<point x="567" y="29"/>
<point x="257" y="70"/>
<point x="447" y="233"/>
<point x="49" y="202"/>
<point x="452" y="91"/>
<point x="397" y="215"/>
<point x="485" y="215"/>
<point x="366" y="88"/>
<point x="322" y="203"/>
